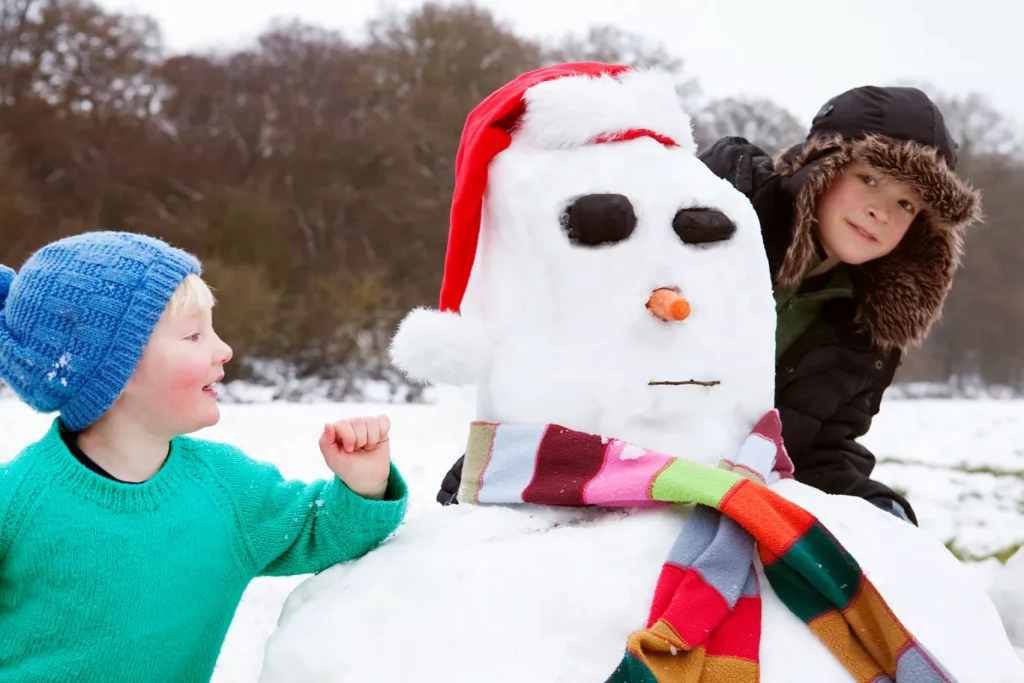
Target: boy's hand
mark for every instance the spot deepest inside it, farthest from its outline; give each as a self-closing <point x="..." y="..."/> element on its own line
<point x="358" y="451"/>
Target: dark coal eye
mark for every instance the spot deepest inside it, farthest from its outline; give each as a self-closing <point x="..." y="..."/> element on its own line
<point x="699" y="226"/>
<point x="596" y="219"/>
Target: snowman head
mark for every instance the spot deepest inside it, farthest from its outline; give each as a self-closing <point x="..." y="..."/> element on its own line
<point x="598" y="274"/>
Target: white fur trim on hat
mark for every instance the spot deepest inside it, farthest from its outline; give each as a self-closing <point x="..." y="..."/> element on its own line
<point x="575" y="110"/>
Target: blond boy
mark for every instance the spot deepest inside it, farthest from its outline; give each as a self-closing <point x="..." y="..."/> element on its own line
<point x="125" y="546"/>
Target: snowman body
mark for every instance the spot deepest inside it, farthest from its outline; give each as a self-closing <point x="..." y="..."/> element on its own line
<point x="554" y="328"/>
<point x="479" y="593"/>
<point x="1007" y="592"/>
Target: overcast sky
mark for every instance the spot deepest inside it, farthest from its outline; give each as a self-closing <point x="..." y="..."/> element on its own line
<point x="798" y="52"/>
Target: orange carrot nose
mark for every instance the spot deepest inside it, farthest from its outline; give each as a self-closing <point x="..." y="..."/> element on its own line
<point x="668" y="305"/>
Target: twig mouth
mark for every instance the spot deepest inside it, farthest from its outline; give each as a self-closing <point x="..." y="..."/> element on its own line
<point x="709" y="383"/>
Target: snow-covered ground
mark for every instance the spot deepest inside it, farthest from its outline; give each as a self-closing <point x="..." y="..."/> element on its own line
<point x="961" y="462"/>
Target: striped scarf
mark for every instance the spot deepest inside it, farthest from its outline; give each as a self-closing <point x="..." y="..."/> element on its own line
<point x="705" y="618"/>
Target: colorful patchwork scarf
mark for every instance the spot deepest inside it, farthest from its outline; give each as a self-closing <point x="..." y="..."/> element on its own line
<point x="705" y="619"/>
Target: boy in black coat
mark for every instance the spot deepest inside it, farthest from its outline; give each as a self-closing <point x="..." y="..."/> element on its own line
<point x="862" y="224"/>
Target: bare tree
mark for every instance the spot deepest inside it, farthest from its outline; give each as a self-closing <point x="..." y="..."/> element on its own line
<point x="760" y="121"/>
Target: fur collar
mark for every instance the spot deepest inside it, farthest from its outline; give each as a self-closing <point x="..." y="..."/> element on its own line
<point x="900" y="296"/>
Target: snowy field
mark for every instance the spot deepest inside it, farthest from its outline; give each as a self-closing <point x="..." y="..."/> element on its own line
<point x="961" y="462"/>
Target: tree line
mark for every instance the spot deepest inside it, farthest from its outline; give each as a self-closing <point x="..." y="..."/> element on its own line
<point x="313" y="174"/>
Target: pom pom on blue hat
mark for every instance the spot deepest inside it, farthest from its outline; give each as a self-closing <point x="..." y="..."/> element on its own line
<point x="76" y="318"/>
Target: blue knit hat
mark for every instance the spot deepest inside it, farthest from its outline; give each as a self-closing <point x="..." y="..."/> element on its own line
<point x="75" y="320"/>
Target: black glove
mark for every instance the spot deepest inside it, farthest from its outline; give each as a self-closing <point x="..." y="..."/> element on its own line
<point x="448" y="495"/>
<point x="746" y="166"/>
<point x="890" y="506"/>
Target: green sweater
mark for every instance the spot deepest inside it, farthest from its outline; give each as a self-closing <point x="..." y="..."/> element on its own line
<point x="799" y="306"/>
<point x="105" y="581"/>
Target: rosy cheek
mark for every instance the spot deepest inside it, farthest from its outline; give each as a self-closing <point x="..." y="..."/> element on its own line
<point x="189" y="379"/>
<point x="183" y="386"/>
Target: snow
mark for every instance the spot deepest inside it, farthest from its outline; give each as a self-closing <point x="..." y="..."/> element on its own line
<point x="426" y="440"/>
<point x="1007" y="591"/>
<point x="957" y="456"/>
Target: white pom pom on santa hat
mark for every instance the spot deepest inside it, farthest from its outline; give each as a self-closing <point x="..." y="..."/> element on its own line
<point x="556" y="107"/>
<point x="439" y="347"/>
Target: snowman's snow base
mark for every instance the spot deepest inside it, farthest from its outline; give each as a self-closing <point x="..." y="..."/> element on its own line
<point x="473" y="593"/>
<point x="1007" y="591"/>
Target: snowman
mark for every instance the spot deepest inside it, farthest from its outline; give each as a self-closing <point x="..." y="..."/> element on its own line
<point x="610" y="300"/>
<point x="1007" y="592"/>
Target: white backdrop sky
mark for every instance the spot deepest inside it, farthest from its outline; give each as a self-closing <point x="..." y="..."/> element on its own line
<point x="798" y="52"/>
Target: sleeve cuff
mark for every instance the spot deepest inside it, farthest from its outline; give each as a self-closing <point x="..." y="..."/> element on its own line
<point x="388" y="512"/>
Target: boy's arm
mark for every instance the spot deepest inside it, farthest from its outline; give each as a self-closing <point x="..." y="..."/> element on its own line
<point x="822" y="418"/>
<point x="293" y="527"/>
<point x="7" y="487"/>
<point x="19" y="495"/>
<point x="746" y="166"/>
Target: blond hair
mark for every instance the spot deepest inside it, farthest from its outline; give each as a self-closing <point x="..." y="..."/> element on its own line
<point x="191" y="292"/>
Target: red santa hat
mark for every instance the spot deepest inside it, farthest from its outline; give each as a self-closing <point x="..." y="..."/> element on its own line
<point x="569" y="105"/>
